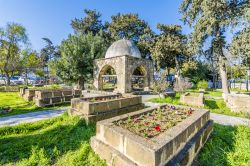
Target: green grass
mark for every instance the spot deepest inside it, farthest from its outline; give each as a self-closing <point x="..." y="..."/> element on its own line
<point x="59" y="141"/>
<point x="227" y="146"/>
<point x="170" y="100"/>
<point x="19" y="105"/>
<point x="212" y="93"/>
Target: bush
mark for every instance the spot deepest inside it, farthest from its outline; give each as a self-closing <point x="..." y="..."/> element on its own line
<point x="202" y="85"/>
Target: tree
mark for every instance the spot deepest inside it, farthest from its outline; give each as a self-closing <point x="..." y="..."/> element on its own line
<point x="210" y="19"/>
<point x="131" y="27"/>
<point x="48" y="53"/>
<point x="89" y="24"/>
<point x="169" y="47"/>
<point x="30" y="61"/>
<point x="195" y="70"/>
<point x="240" y="45"/>
<point x="11" y="40"/>
<point x="77" y="55"/>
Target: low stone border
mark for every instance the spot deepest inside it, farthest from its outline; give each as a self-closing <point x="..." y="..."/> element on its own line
<point x="9" y="88"/>
<point x="193" y="99"/>
<point x="239" y="102"/>
<point x="119" y="146"/>
<point x="102" y="107"/>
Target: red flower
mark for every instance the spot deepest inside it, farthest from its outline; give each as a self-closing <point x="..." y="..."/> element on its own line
<point x="189" y="112"/>
<point x="158" y="128"/>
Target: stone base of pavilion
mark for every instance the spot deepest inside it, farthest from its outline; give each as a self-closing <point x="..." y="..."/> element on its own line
<point x="179" y="145"/>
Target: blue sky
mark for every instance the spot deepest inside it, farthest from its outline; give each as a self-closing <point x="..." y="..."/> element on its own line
<point x="51" y="18"/>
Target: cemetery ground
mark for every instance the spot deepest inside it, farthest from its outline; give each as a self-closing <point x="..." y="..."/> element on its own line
<point x="213" y="101"/>
<point x="17" y="105"/>
<point x="65" y="140"/>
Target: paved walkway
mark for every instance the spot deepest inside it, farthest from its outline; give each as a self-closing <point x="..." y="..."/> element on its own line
<point x="30" y="117"/>
<point x="41" y="115"/>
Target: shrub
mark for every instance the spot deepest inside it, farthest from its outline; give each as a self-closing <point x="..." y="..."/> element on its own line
<point x="202" y="85"/>
<point x="182" y="85"/>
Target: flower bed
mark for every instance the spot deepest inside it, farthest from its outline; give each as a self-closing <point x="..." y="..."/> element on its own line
<point x="174" y="136"/>
<point x="153" y="123"/>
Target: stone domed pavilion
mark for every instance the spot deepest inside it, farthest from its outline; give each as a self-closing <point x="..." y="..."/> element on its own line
<point x="123" y="70"/>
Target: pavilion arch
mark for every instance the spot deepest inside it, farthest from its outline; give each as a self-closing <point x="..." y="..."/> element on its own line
<point x="139" y="78"/>
<point x="107" y="78"/>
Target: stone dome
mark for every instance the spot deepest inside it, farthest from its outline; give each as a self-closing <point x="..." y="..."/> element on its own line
<point x="123" y="47"/>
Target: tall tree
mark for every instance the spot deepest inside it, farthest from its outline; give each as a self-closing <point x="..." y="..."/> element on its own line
<point x="11" y="40"/>
<point x="170" y="47"/>
<point x="77" y="55"/>
<point x="131" y="27"/>
<point x="48" y="53"/>
<point x="210" y="19"/>
<point x="91" y="23"/>
<point x="240" y="45"/>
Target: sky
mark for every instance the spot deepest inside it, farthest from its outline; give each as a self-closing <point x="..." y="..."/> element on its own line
<point x="52" y="18"/>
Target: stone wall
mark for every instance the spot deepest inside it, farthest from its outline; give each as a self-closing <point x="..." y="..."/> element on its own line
<point x="9" y="88"/>
<point x="27" y="94"/>
<point x="239" y="102"/>
<point x="195" y="99"/>
<point x="102" y="107"/>
<point x="178" y="145"/>
<point x="44" y="98"/>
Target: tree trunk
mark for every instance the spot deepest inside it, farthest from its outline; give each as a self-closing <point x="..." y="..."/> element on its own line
<point x="8" y="79"/>
<point x="80" y="84"/>
<point x="178" y="73"/>
<point x="223" y="74"/>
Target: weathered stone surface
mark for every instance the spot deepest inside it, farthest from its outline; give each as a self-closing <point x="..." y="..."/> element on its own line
<point x="239" y="102"/>
<point x="161" y="149"/>
<point x="193" y="99"/>
<point x="124" y="66"/>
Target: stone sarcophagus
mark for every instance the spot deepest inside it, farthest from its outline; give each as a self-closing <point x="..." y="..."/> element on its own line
<point x="193" y="99"/>
<point x="102" y="107"/>
<point x="121" y="141"/>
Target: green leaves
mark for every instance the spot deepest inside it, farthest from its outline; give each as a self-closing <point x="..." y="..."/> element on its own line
<point x="77" y="55"/>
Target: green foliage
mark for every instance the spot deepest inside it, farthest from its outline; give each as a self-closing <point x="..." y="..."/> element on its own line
<point x="59" y="141"/>
<point x="202" y="85"/>
<point x="241" y="44"/>
<point x="91" y="23"/>
<point x="169" y="44"/>
<point x="11" y="40"/>
<point x="131" y="27"/>
<point x="194" y="70"/>
<point x="170" y="100"/>
<point x="78" y="53"/>
<point x="227" y="146"/>
<point x="18" y="105"/>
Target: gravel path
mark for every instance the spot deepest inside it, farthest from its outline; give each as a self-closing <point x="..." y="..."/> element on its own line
<point x="229" y="120"/>
<point x="30" y="117"/>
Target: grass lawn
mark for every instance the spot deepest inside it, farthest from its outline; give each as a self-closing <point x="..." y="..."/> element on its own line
<point x="65" y="141"/>
<point x="18" y="104"/>
<point x="59" y="141"/>
<point x="227" y="146"/>
<point x="213" y="93"/>
<point x="214" y="105"/>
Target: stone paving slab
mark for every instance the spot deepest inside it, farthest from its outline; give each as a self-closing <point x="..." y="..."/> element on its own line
<point x="31" y="117"/>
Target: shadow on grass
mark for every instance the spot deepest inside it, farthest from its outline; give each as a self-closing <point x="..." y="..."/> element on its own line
<point x="221" y="142"/>
<point x="211" y="104"/>
<point x="62" y="137"/>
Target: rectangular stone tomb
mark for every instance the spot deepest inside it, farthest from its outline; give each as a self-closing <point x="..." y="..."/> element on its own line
<point x="27" y="94"/>
<point x="55" y="97"/>
<point x="194" y="99"/>
<point x="239" y="102"/>
<point x="176" y="143"/>
<point x="102" y="107"/>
